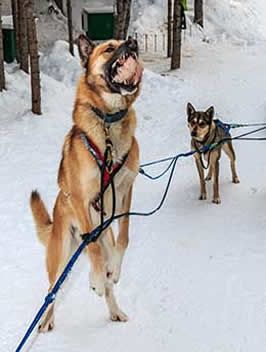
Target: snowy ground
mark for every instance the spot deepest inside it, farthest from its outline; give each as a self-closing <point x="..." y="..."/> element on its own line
<point x="194" y="275"/>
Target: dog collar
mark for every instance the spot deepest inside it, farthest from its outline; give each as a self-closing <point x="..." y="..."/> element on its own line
<point x="109" y="118"/>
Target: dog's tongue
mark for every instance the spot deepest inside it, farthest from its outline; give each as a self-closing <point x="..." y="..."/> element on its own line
<point x="130" y="72"/>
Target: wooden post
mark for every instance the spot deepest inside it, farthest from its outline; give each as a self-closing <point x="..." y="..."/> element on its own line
<point x="146" y="42"/>
<point x="14" y="4"/>
<point x="198" y="12"/>
<point x="34" y="59"/>
<point x="176" y="55"/>
<point x="23" y="46"/>
<point x="2" y="68"/>
<point x="122" y="18"/>
<point x="70" y="27"/>
<point x="169" y="29"/>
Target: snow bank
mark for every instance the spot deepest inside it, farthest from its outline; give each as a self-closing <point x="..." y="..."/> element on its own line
<point x="234" y="21"/>
<point x="59" y="64"/>
<point x="239" y="21"/>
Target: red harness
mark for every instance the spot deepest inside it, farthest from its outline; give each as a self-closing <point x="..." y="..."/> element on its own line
<point x="109" y="172"/>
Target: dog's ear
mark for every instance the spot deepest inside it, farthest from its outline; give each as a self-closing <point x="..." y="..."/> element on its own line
<point x="86" y="47"/>
<point x="210" y="113"/>
<point x="190" y="110"/>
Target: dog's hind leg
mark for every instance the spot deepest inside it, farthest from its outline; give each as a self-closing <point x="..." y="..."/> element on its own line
<point x="116" y="313"/>
<point x="57" y="254"/>
<point x="228" y="149"/>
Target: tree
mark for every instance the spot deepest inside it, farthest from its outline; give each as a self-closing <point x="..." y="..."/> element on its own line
<point x="176" y="54"/>
<point x="34" y="58"/>
<point x="198" y="12"/>
<point x="23" y="37"/>
<point x="2" y="68"/>
<point x="169" y="29"/>
<point x="70" y="27"/>
<point x="14" y="4"/>
<point x="122" y="18"/>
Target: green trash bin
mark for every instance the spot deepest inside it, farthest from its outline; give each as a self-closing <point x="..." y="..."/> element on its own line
<point x="8" y="40"/>
<point x="98" y="23"/>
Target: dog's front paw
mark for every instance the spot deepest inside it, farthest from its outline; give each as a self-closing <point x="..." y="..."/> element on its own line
<point x="235" y="180"/>
<point x="47" y="322"/>
<point x="114" y="266"/>
<point x="203" y="196"/>
<point x="118" y="315"/>
<point x="208" y="178"/>
<point x="97" y="282"/>
<point x="216" y="200"/>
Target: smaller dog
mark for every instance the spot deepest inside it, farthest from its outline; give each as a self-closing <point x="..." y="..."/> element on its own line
<point x="205" y="131"/>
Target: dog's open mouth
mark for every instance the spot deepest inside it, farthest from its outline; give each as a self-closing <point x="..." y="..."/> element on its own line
<point x="125" y="72"/>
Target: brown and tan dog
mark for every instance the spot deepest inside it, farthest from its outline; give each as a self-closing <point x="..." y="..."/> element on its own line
<point x="204" y="131"/>
<point x="107" y="89"/>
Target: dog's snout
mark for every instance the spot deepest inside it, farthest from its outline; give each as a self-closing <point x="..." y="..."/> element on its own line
<point x="132" y="43"/>
<point x="194" y="133"/>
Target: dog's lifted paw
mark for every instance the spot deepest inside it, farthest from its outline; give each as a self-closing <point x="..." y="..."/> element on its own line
<point x="119" y="316"/>
<point x="115" y="266"/>
<point x="203" y="196"/>
<point x="97" y="282"/>
<point x="46" y="325"/>
<point x="216" y="200"/>
<point x="236" y="180"/>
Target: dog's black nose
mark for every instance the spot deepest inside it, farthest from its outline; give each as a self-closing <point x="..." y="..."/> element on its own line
<point x="193" y="134"/>
<point x="132" y="43"/>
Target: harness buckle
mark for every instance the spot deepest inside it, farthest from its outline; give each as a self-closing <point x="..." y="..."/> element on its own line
<point x="108" y="151"/>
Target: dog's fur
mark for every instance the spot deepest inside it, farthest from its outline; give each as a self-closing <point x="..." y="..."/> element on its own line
<point x="79" y="175"/>
<point x="204" y="131"/>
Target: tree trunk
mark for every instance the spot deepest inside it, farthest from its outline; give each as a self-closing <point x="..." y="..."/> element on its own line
<point x="14" y="4"/>
<point x="23" y="45"/>
<point x="122" y="19"/>
<point x="70" y="27"/>
<point x="198" y="12"/>
<point x="176" y="55"/>
<point x="169" y="29"/>
<point x="127" y="18"/>
<point x="34" y="59"/>
<point x="2" y="68"/>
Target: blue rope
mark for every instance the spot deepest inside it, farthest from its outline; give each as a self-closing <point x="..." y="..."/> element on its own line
<point x="204" y="149"/>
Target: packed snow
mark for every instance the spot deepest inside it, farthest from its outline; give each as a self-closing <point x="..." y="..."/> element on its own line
<point x="193" y="275"/>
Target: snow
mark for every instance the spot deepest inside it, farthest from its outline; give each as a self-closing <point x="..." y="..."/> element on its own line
<point x="240" y="22"/>
<point x="193" y="276"/>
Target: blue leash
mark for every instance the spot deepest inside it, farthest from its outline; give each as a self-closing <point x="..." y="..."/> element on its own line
<point x="93" y="236"/>
<point x="204" y="149"/>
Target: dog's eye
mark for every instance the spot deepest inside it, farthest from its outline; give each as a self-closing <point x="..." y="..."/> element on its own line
<point x="109" y="49"/>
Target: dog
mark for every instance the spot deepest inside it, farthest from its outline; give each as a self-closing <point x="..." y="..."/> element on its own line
<point x="102" y="114"/>
<point x="204" y="131"/>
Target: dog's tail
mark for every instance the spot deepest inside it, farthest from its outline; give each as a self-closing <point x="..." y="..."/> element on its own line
<point x="41" y="217"/>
